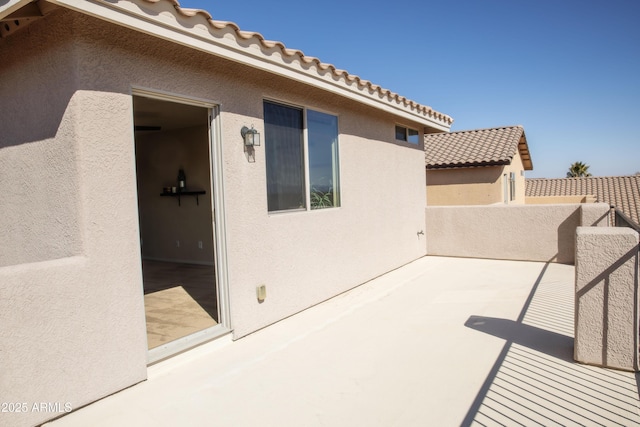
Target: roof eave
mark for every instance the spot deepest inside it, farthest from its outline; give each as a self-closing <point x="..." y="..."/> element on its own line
<point x="199" y="34"/>
<point x="469" y="165"/>
<point x="525" y="155"/>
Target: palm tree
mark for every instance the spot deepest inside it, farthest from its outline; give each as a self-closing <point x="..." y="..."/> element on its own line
<point x="578" y="169"/>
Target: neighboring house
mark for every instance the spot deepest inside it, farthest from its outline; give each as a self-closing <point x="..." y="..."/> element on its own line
<point x="477" y="167"/>
<point x="104" y="102"/>
<point x="623" y="192"/>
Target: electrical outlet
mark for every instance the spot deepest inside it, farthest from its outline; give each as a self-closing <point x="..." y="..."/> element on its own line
<point x="261" y="291"/>
<point x="177" y="243"/>
<point x="199" y="244"/>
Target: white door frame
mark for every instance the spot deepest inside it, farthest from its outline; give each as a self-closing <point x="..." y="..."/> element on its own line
<point x="216" y="193"/>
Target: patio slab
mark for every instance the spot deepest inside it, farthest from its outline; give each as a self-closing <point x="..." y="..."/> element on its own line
<point x="440" y="341"/>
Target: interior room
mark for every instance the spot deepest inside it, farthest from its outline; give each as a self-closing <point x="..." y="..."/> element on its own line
<point x="175" y="214"/>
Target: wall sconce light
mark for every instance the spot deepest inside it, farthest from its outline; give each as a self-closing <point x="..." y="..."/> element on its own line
<point x="251" y="136"/>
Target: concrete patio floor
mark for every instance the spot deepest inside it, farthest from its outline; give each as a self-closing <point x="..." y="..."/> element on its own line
<point x="440" y="341"/>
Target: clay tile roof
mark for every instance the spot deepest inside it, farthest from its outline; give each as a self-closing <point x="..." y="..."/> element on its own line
<point x="197" y="19"/>
<point x="623" y="192"/>
<point x="480" y="147"/>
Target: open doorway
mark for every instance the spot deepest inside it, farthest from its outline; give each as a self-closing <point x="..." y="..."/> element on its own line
<point x="172" y="142"/>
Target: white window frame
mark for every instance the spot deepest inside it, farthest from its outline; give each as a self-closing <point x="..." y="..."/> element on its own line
<point x="305" y="151"/>
<point x="406" y="134"/>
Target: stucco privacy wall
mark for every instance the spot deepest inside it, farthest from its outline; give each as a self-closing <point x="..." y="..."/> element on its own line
<point x="77" y="322"/>
<point x="539" y="200"/>
<point x="71" y="314"/>
<point x="515" y="232"/>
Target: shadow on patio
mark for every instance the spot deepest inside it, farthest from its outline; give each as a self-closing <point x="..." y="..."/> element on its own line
<point x="535" y="381"/>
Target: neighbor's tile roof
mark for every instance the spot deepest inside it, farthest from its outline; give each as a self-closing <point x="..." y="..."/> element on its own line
<point x="622" y="192"/>
<point x="481" y="147"/>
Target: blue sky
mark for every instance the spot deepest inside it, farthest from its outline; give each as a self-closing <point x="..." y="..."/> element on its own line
<point x="568" y="71"/>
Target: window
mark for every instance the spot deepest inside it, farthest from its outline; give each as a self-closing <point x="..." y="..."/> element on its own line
<point x="323" y="160"/>
<point x="408" y="135"/>
<point x="512" y="186"/>
<point x="285" y="158"/>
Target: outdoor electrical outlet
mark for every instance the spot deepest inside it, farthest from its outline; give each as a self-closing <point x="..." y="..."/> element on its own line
<point x="262" y="292"/>
<point x="199" y="244"/>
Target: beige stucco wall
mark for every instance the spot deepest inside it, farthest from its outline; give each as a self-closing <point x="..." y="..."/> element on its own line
<point x="46" y="151"/>
<point x="72" y="309"/>
<point x="606" y="302"/>
<point x="516" y="232"/>
<point x="465" y="186"/>
<point x="473" y="186"/>
<point x="306" y="257"/>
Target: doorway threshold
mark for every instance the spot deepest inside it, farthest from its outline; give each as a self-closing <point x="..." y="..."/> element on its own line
<point x="189" y="342"/>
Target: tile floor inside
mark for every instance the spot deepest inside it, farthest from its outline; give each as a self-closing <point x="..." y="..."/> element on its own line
<point x="179" y="299"/>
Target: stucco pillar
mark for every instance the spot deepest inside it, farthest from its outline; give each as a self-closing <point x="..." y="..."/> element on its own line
<point x="606" y="297"/>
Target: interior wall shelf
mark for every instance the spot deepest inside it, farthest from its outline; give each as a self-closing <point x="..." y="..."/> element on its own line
<point x="179" y="194"/>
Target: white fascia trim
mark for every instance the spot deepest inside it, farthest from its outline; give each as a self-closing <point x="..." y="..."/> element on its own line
<point x="172" y="97"/>
<point x="11" y="6"/>
<point x="127" y="14"/>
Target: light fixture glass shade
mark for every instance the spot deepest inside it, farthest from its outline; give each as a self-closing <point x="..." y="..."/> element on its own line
<point x="256" y="137"/>
<point x="251" y="136"/>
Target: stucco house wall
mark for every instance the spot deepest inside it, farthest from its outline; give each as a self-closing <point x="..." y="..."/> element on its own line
<point x="474" y="185"/>
<point x="72" y="310"/>
<point x="464" y="186"/>
<point x="71" y="305"/>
